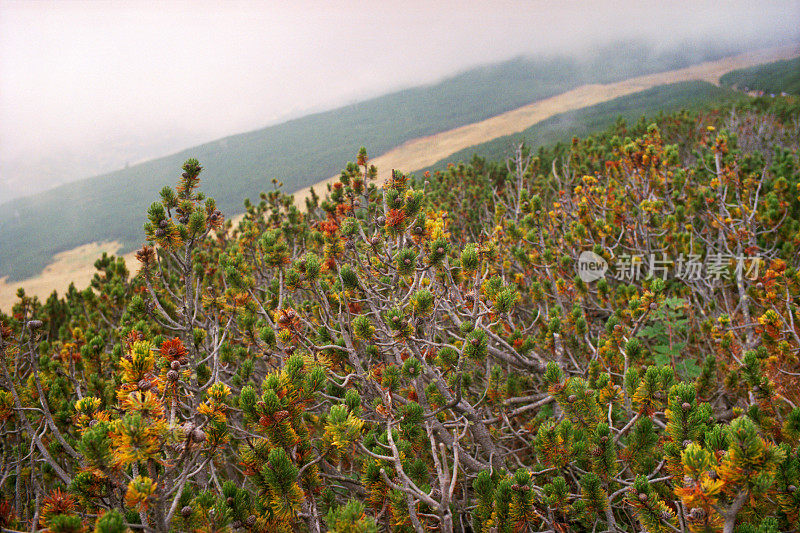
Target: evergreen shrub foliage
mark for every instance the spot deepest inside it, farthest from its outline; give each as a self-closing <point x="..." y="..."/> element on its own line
<point x="420" y="355"/>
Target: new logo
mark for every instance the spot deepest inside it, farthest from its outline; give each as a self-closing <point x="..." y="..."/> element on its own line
<point x="591" y="266"/>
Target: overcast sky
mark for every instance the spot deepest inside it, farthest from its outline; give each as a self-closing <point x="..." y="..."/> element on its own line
<point x="127" y="79"/>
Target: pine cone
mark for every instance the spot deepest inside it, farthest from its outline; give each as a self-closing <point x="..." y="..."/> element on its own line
<point x="198" y="435"/>
<point x="145" y="255"/>
<point x="697" y="514"/>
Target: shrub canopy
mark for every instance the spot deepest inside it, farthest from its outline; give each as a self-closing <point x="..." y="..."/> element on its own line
<point x="428" y="354"/>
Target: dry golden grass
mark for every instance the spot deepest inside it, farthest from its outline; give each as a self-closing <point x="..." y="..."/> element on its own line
<point x="73" y="266"/>
<point x="77" y="265"/>
<point x="425" y="151"/>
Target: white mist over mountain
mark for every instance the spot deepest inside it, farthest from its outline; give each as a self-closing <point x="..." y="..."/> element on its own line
<point x="88" y="87"/>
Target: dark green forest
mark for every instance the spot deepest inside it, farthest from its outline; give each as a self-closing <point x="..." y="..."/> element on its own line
<point x="772" y="78"/>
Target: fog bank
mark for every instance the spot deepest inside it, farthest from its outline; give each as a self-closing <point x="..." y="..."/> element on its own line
<point x="87" y="87"/>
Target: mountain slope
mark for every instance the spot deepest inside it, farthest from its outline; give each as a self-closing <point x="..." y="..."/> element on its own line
<point x="550" y="124"/>
<point x="300" y="152"/>
<point x="777" y="77"/>
<point x="691" y="95"/>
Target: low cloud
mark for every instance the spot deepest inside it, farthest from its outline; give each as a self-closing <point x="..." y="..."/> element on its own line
<point x="89" y="86"/>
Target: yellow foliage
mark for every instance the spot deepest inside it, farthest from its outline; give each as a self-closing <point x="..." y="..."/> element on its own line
<point x="138" y="363"/>
<point x="139" y="491"/>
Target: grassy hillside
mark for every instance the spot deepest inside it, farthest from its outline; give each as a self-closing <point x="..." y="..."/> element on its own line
<point x="777" y="77"/>
<point x="300" y="152"/>
<point x="691" y="95"/>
